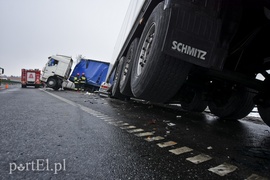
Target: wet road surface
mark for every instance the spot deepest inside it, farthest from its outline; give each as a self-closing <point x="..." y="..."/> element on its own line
<point x="70" y="135"/>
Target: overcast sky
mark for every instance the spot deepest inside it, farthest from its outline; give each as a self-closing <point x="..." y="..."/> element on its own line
<point x="32" y="30"/>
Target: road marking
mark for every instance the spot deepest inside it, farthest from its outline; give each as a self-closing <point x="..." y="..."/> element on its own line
<point x="112" y="123"/>
<point x="181" y="150"/>
<point x="167" y="144"/>
<point x="109" y="120"/>
<point x="86" y="109"/>
<point x="124" y="124"/>
<point x="223" y="169"/>
<point x="128" y="127"/>
<point x="104" y="117"/>
<point x="256" y="177"/>
<point x="62" y="99"/>
<point x="135" y="130"/>
<point x="157" y="138"/>
<point x="199" y="159"/>
<point x="144" y="134"/>
<point x="119" y="122"/>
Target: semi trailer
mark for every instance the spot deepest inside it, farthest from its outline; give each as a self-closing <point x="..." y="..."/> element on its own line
<point x="95" y="72"/>
<point x="196" y="52"/>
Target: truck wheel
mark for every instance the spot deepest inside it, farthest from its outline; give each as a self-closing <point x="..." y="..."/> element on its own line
<point x="238" y="105"/>
<point x="265" y="114"/>
<point x="155" y="76"/>
<point x="116" y="89"/>
<point x="127" y="68"/>
<point x="193" y="101"/>
<point x="52" y="82"/>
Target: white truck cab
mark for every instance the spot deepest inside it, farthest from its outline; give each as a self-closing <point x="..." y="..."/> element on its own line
<point x="56" y="70"/>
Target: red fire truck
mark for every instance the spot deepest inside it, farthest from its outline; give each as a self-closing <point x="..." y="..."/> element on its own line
<point x="30" y="77"/>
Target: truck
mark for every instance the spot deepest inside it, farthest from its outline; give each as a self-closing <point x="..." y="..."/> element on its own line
<point x="30" y="77"/>
<point x="198" y="53"/>
<point x="95" y="72"/>
<point x="56" y="71"/>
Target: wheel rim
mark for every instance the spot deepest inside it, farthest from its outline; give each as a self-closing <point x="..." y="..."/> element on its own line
<point x="123" y="77"/>
<point x="51" y="83"/>
<point x="146" y="48"/>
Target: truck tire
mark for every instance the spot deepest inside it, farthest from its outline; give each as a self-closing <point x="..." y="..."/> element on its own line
<point x="194" y="101"/>
<point x="237" y="106"/>
<point x="265" y="114"/>
<point x="116" y="89"/>
<point x="52" y="83"/>
<point x="155" y="76"/>
<point x="127" y="68"/>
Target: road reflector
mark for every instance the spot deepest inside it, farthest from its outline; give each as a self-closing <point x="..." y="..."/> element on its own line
<point x="199" y="159"/>
<point x="223" y="169"/>
<point x="167" y="144"/>
<point x="181" y="150"/>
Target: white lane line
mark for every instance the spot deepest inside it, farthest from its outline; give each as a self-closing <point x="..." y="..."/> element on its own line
<point x="181" y="150"/>
<point x="223" y="169"/>
<point x="151" y="139"/>
<point x="97" y="114"/>
<point x="167" y="144"/>
<point x="128" y="127"/>
<point x="199" y="159"/>
<point x="124" y="124"/>
<point x="144" y="134"/>
<point x="86" y="109"/>
<point x="104" y="117"/>
<point x="119" y="122"/>
<point x="58" y="97"/>
<point x="135" y="130"/>
<point x="111" y="122"/>
<point x="108" y="120"/>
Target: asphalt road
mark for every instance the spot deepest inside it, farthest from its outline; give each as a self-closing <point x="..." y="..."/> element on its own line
<point x="70" y="135"/>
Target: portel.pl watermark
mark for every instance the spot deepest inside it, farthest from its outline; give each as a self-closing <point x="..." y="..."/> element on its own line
<point x="39" y="165"/>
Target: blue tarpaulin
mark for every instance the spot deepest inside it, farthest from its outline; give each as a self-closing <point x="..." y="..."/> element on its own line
<point x="95" y="71"/>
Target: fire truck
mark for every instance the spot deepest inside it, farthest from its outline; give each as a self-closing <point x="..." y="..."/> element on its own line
<point x="30" y="77"/>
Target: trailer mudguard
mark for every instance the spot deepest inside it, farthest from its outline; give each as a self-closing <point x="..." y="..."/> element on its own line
<point x="195" y="32"/>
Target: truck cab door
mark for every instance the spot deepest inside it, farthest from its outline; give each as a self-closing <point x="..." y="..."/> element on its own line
<point x="50" y="68"/>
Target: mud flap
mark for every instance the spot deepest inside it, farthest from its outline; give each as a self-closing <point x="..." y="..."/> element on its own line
<point x="194" y="34"/>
